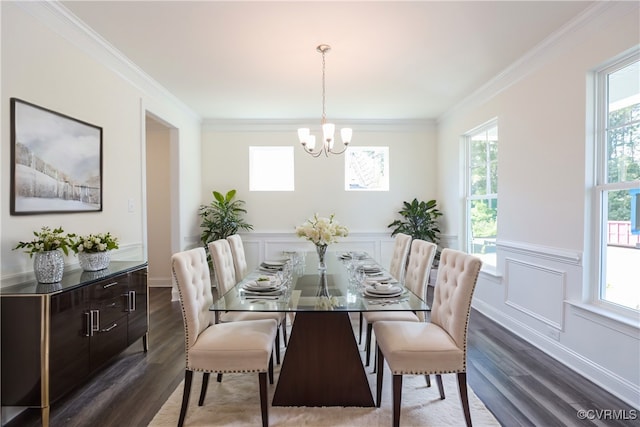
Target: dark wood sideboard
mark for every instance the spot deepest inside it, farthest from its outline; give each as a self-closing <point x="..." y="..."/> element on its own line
<point x="54" y="336"/>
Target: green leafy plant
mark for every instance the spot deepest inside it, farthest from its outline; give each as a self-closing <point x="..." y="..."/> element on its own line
<point x="222" y="217"/>
<point x="420" y="221"/>
<point x="48" y="240"/>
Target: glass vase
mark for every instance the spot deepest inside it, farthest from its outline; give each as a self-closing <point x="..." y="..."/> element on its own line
<point x="321" y="250"/>
<point x="48" y="266"/>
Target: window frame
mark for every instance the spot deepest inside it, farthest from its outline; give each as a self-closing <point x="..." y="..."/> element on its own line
<point x="469" y="198"/>
<point x="601" y="187"/>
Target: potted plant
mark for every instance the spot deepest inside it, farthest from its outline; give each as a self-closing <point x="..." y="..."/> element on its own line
<point x="222" y="218"/>
<point x="420" y="221"/>
<point x="93" y="250"/>
<point x="46" y="250"/>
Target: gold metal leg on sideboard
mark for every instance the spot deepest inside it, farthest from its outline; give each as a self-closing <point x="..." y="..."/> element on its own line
<point x="45" y="416"/>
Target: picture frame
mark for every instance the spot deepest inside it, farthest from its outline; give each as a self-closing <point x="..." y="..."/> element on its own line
<point x="366" y="169"/>
<point x="56" y="162"/>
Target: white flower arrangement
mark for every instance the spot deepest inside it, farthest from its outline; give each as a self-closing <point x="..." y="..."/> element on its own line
<point x="101" y="242"/>
<point x="322" y="231"/>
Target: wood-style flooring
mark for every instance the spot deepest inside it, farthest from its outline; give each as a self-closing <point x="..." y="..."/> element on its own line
<point x="519" y="384"/>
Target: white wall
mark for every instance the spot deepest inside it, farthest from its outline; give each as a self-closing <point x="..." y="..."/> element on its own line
<point x="319" y="182"/>
<point x="50" y="62"/>
<point x="542" y="249"/>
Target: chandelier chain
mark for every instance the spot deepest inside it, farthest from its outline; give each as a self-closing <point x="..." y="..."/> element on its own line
<point x="324" y="115"/>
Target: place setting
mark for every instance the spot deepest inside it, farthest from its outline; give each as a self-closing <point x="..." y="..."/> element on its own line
<point x="273" y="265"/>
<point x="263" y="287"/>
<point x="383" y="290"/>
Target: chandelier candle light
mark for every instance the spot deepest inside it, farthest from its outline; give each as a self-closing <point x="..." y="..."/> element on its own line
<point x="307" y="140"/>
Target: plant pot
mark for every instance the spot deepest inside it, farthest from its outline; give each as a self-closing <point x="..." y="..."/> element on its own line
<point x="94" y="261"/>
<point x="48" y="266"/>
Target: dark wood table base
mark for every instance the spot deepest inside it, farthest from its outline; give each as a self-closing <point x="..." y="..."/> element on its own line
<point x="322" y="365"/>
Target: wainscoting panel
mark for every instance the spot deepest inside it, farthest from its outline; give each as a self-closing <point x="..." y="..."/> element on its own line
<point x="536" y="290"/>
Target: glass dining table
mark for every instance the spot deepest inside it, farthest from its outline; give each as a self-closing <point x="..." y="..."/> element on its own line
<point x="322" y="364"/>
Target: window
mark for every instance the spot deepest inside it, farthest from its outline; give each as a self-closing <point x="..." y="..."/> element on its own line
<point x="482" y="192"/>
<point x="366" y="169"/>
<point x="617" y="183"/>
<point x="271" y="169"/>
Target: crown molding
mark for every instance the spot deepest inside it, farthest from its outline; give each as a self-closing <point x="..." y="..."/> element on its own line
<point x="558" y="42"/>
<point x="291" y="125"/>
<point x="63" y="22"/>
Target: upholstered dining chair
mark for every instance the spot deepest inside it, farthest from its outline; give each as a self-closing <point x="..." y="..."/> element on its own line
<point x="400" y="255"/>
<point x="224" y="272"/>
<point x="436" y="347"/>
<point x="225" y="347"/>
<point x="239" y="258"/>
<point x="397" y="265"/>
<point x="416" y="278"/>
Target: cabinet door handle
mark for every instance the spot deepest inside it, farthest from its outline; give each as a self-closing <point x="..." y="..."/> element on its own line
<point x="108" y="285"/>
<point x="132" y="300"/>
<point x="109" y="328"/>
<point x="95" y="324"/>
<point x="89" y="323"/>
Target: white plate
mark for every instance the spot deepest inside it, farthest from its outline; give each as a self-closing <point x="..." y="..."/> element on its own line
<point x="387" y="294"/>
<point x="274" y="263"/>
<point x="251" y="293"/>
<point x="381" y="278"/>
<point x="254" y="287"/>
<point x="390" y="290"/>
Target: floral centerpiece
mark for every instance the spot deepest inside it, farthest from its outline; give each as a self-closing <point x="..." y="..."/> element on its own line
<point x="322" y="231"/>
<point x="46" y="249"/>
<point x="93" y="250"/>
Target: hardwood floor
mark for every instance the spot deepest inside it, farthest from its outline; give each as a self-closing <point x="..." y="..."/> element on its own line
<point x="519" y="384"/>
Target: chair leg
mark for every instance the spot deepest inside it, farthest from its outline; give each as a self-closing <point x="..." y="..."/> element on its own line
<point x="284" y="330"/>
<point x="397" y="399"/>
<point x="271" y="369"/>
<point x="188" y="376"/>
<point x="379" y="377"/>
<point x="277" y="348"/>
<point x="367" y="344"/>
<point x="375" y="359"/>
<point x="360" y="329"/>
<point x="440" y="387"/>
<point x="464" y="398"/>
<point x="203" y="389"/>
<point x="428" y="379"/>
<point x="262" y="379"/>
<point x="219" y="379"/>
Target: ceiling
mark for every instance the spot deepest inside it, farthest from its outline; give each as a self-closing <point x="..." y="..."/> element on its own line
<point x="389" y="59"/>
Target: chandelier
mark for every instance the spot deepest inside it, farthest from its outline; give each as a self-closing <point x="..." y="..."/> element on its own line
<point x="308" y="141"/>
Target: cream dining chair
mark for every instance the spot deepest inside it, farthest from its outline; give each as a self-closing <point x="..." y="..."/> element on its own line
<point x="209" y="347"/>
<point x="436" y="347"/>
<point x="415" y="279"/>
<point x="397" y="266"/>
<point x="224" y="272"/>
<point x="239" y="258"/>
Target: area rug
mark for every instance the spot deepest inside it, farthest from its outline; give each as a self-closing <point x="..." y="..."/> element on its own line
<point x="235" y="402"/>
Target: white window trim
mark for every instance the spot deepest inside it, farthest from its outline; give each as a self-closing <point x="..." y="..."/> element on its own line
<point x="592" y="285"/>
<point x="489" y="268"/>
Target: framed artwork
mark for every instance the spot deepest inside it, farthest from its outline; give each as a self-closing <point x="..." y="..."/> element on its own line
<point x="56" y="162"/>
<point x="366" y="169"/>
